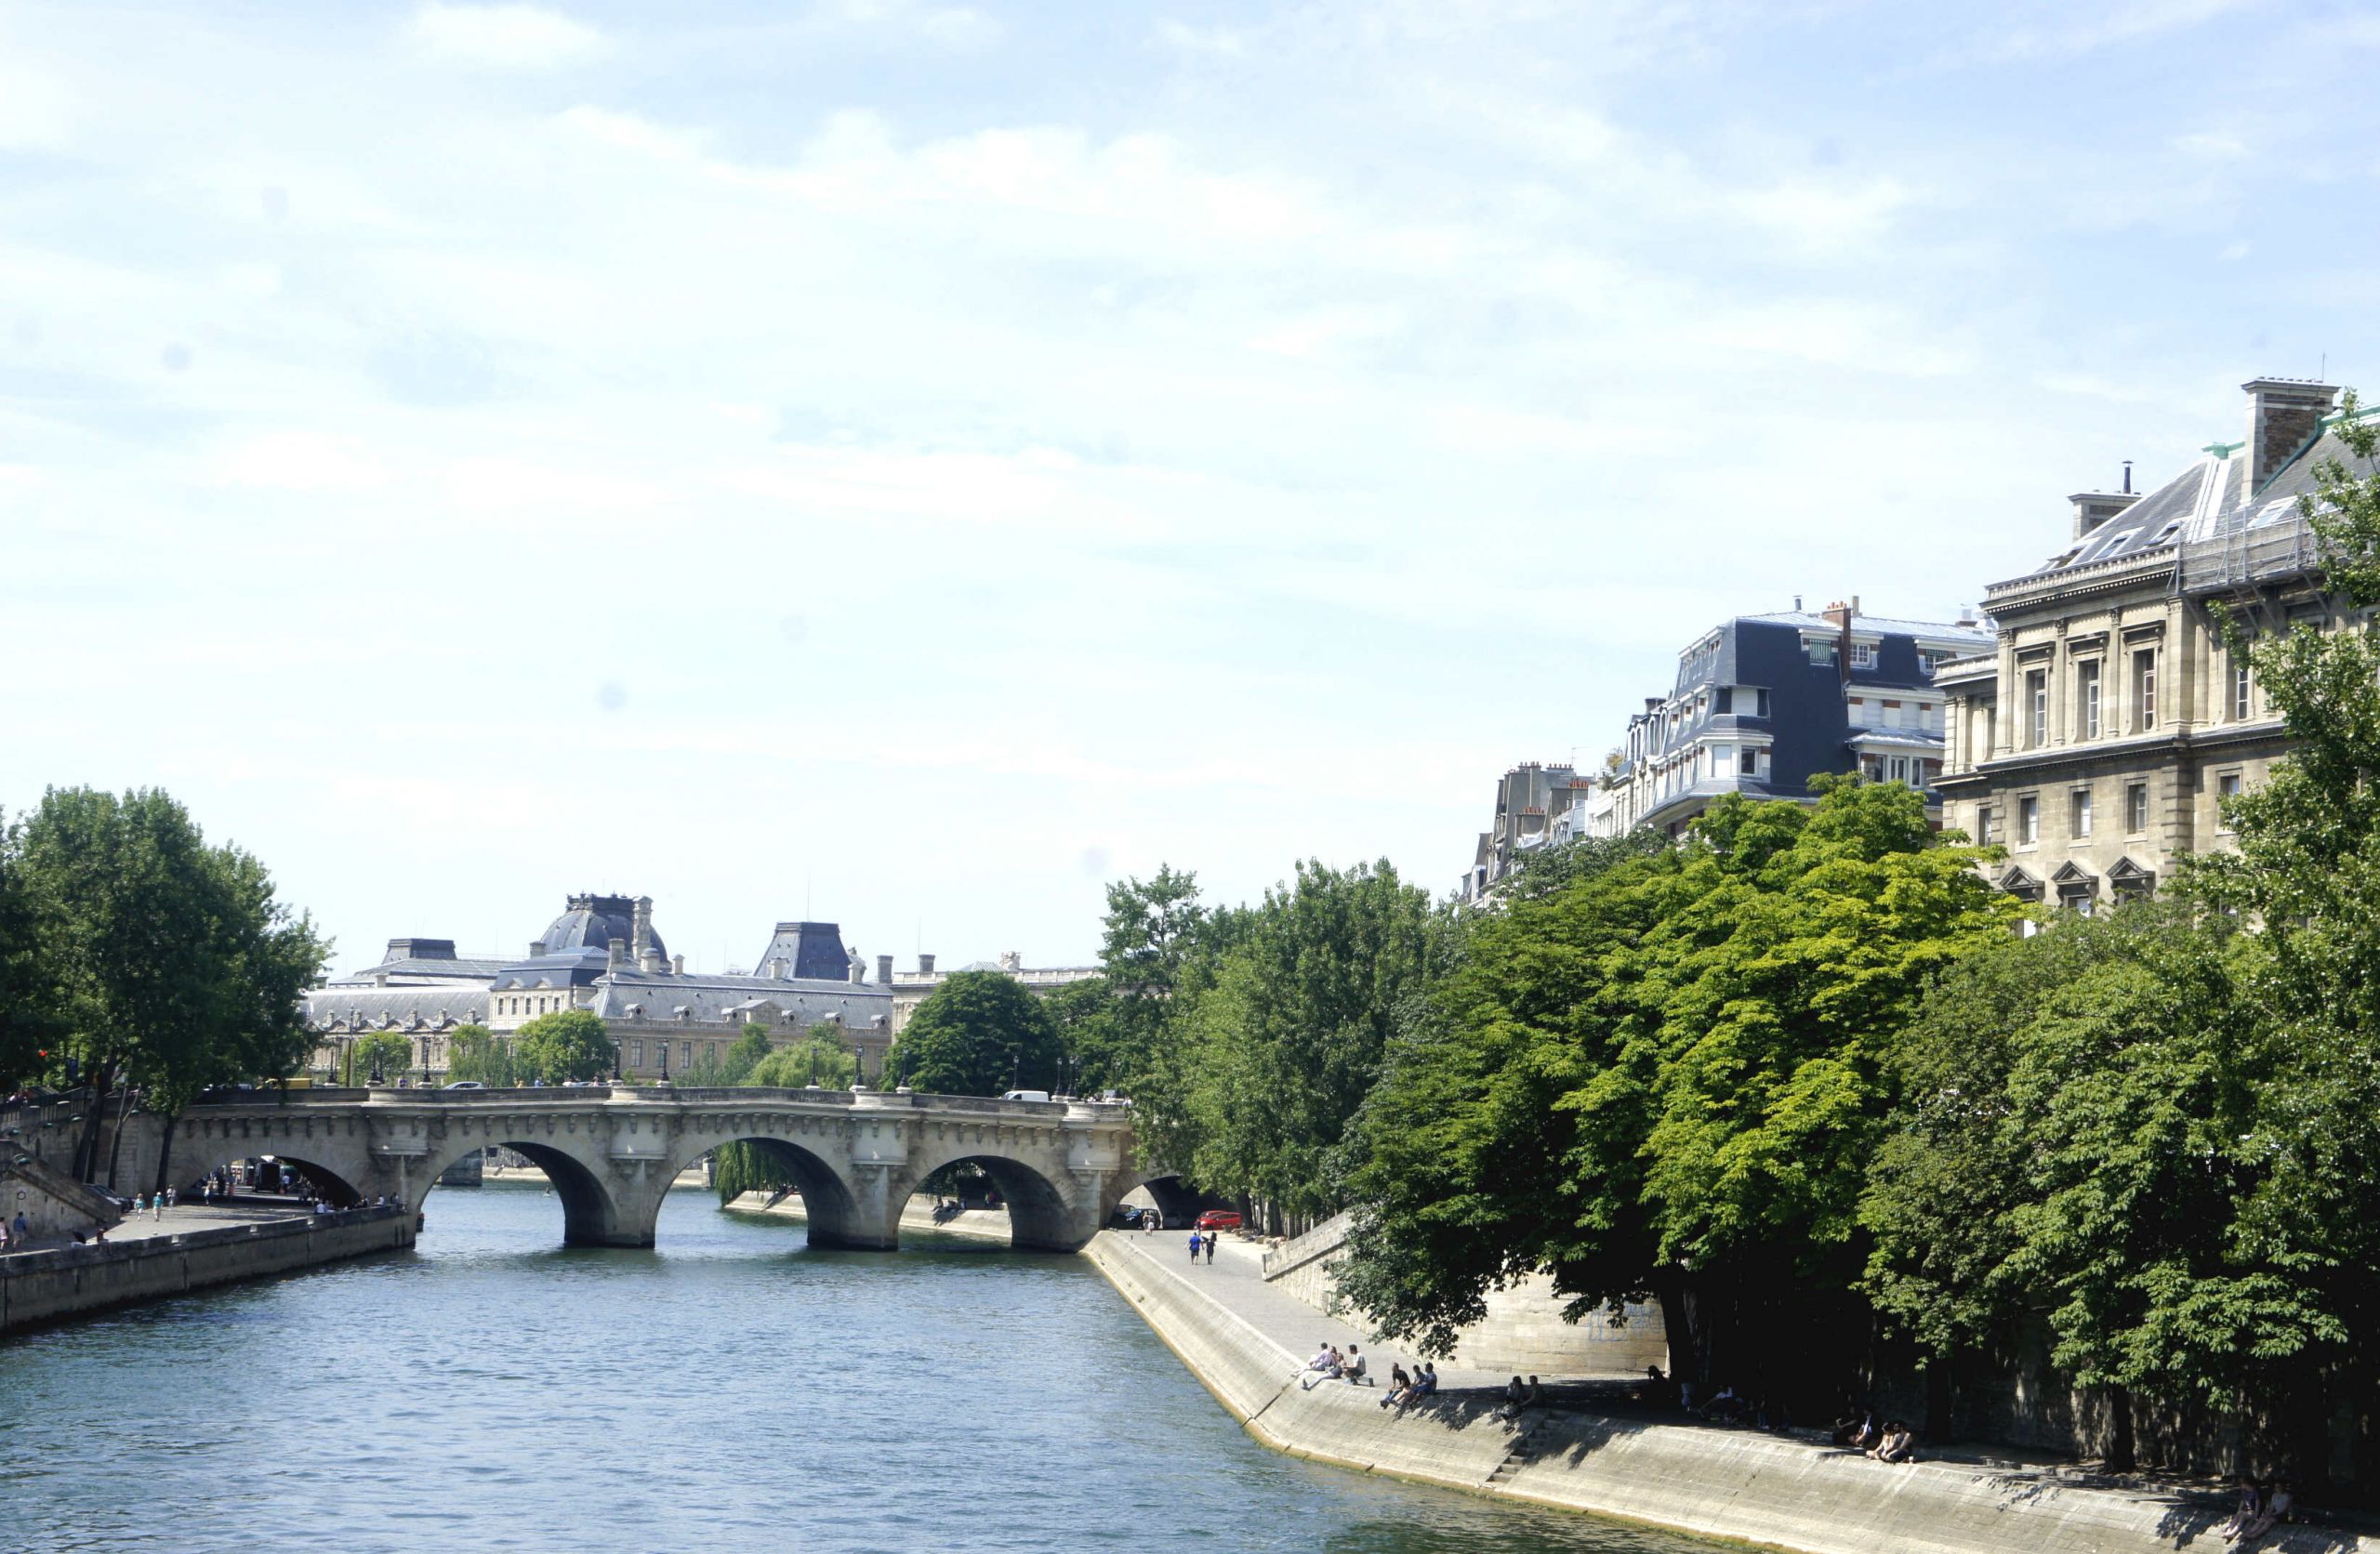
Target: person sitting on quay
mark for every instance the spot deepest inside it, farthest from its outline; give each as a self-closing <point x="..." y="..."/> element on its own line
<point x="1351" y="1369"/>
<point x="1424" y="1387"/>
<point x="1399" y="1384"/>
<point x="1899" y="1444"/>
<point x="1518" y="1398"/>
<point x="2250" y="1512"/>
<point x="1324" y="1363"/>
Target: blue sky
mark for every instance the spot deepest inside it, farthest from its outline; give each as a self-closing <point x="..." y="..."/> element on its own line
<point x="909" y="464"/>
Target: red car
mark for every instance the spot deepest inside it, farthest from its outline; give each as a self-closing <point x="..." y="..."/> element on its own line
<point x="1219" y="1219"/>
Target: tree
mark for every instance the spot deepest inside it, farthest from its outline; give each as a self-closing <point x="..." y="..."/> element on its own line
<point x="565" y="1044"/>
<point x="1092" y="1035"/>
<point x="979" y="1034"/>
<point x="732" y="1067"/>
<point x="1667" y="1078"/>
<point x="476" y="1053"/>
<point x="379" y="1057"/>
<point x="29" y="1026"/>
<point x="176" y="968"/>
<point x="814" y="1059"/>
<point x="1278" y="1037"/>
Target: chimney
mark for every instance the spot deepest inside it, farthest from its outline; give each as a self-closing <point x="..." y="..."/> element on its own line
<point x="619" y="955"/>
<point x="925" y="963"/>
<point x="859" y="969"/>
<point x="1012" y="961"/>
<point x="2093" y="508"/>
<point x="884" y="970"/>
<point x="677" y="965"/>
<point x="1840" y="615"/>
<point x="641" y="928"/>
<point x="2284" y="416"/>
<point x="649" y="959"/>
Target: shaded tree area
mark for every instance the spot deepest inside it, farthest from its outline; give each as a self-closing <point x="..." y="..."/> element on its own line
<point x="816" y="1058"/>
<point x="135" y="956"/>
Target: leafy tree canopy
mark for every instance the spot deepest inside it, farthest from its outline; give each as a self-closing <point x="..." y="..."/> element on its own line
<point x="978" y="1033"/>
<point x="565" y="1044"/>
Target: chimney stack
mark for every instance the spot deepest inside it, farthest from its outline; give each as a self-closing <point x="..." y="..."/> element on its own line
<point x="884" y="970"/>
<point x="641" y="927"/>
<point x="1839" y="615"/>
<point x="677" y="965"/>
<point x="2284" y="416"/>
<point x="859" y="969"/>
<point x="925" y="963"/>
<point x="1012" y="961"/>
<point x="618" y="957"/>
<point x="2093" y="508"/>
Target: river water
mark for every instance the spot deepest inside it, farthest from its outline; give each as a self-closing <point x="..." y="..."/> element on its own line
<point x="731" y="1390"/>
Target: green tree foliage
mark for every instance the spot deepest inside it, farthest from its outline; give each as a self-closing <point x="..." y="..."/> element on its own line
<point x="173" y="965"/>
<point x="30" y="1030"/>
<point x="1668" y="1076"/>
<point x="474" y="1052"/>
<point x="1277" y="1030"/>
<point x="979" y="1034"/>
<point x="814" y="1060"/>
<point x="734" y="1066"/>
<point x="387" y="1054"/>
<point x="1094" y="1035"/>
<point x="565" y="1044"/>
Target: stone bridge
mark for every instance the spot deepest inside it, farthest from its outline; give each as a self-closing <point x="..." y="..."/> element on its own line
<point x="613" y="1152"/>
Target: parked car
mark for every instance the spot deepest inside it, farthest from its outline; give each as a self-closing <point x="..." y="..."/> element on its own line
<point x="1126" y="1218"/>
<point x="1219" y="1219"/>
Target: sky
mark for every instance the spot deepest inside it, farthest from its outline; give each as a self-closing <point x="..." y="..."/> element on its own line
<point x="912" y="464"/>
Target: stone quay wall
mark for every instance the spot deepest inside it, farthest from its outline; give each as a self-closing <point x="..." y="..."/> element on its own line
<point x="70" y="1281"/>
<point x="1775" y="1492"/>
<point x="1524" y="1331"/>
<point x="980" y="1224"/>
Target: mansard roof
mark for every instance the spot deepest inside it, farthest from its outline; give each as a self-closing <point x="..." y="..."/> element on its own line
<point x="370" y="1007"/>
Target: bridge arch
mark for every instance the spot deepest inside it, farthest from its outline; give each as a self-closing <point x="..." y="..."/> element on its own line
<point x="1043" y="1213"/>
<point x="829" y="1200"/>
<point x="1177" y="1201"/>
<point x="594" y="1211"/>
<point x="331" y="1183"/>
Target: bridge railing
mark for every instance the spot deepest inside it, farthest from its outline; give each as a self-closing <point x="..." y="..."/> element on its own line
<point x="580" y="1095"/>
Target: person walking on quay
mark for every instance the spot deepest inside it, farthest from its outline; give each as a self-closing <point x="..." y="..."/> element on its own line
<point x="1211" y="1238"/>
<point x="170" y="1195"/>
<point x="20" y="1232"/>
<point x="157" y="1205"/>
<point x="1194" y="1246"/>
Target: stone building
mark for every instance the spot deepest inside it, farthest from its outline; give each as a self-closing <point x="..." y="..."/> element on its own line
<point x="1534" y="804"/>
<point x="603" y="954"/>
<point x="56" y="1207"/>
<point x="2098" y="737"/>
<point x="1762" y="703"/>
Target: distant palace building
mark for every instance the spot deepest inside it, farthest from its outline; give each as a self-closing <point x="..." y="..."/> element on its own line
<point x="603" y="954"/>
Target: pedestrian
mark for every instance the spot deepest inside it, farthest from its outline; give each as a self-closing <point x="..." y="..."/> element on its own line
<point x="171" y="1195"/>
<point x="157" y="1205"/>
<point x="1194" y="1246"/>
<point x="1211" y="1245"/>
<point x="21" y="1230"/>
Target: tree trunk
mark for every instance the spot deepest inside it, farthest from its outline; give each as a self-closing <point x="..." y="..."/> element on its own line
<point x="115" y="1139"/>
<point x="165" y="1152"/>
<point x="1937" y="1401"/>
<point x="2120" y="1457"/>
<point x="1685" y="1316"/>
<point x="86" y="1150"/>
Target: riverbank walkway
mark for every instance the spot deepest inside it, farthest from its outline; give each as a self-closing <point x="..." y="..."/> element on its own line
<point x="1235" y="1282"/>
<point x="183" y="1218"/>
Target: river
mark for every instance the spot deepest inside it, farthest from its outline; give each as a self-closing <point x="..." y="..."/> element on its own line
<point x="731" y="1390"/>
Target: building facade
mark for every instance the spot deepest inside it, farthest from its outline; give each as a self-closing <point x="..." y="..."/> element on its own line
<point x="1535" y="804"/>
<point x="603" y="954"/>
<point x="1762" y="703"/>
<point x="2098" y="737"/>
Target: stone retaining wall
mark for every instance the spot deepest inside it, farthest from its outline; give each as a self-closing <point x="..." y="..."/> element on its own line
<point x="1776" y="1491"/>
<point x="981" y="1224"/>
<point x="68" y="1281"/>
<point x="1524" y="1331"/>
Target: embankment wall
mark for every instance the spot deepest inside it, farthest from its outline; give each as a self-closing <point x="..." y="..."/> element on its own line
<point x="70" y="1281"/>
<point x="982" y="1224"/>
<point x="1524" y="1331"/>
<point x="1771" y="1491"/>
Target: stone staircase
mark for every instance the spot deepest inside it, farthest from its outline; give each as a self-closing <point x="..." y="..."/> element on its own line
<point x="1522" y="1452"/>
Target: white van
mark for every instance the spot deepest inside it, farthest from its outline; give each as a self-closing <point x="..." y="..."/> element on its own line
<point x="1024" y="1095"/>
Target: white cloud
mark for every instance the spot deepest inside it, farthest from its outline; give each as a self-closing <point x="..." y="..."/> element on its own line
<point x="306" y="461"/>
<point x="505" y="36"/>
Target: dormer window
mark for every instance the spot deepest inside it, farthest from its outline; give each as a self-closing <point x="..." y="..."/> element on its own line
<point x="1863" y="655"/>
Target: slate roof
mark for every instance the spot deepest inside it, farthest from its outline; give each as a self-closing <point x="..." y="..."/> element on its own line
<point x="403" y="1008"/>
<point x="660" y="996"/>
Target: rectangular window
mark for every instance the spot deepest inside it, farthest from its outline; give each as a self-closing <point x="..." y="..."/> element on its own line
<point x="2144" y="689"/>
<point x="2082" y="813"/>
<point x="2029" y="821"/>
<point x="1749" y="763"/>
<point x="2136" y="808"/>
<point x="1863" y="655"/>
<point x="1900" y="769"/>
<point x="2227" y="788"/>
<point x="2243" y="691"/>
<point x="1926" y="661"/>
<point x="1983" y="827"/>
<point x="1761" y="710"/>
<point x="1726" y="698"/>
<point x="1821" y="651"/>
<point x="2086" y="698"/>
<point x="2037" y="708"/>
<point x="636" y="1053"/>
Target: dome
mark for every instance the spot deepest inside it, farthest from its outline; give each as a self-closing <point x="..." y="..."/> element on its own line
<point x="592" y="922"/>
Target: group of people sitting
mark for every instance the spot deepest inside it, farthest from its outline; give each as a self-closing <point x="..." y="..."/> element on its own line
<point x="1883" y="1440"/>
<point x="1518" y="1398"/>
<point x="1404" y="1390"/>
<point x="1329" y="1364"/>
<point x="2261" y="1507"/>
